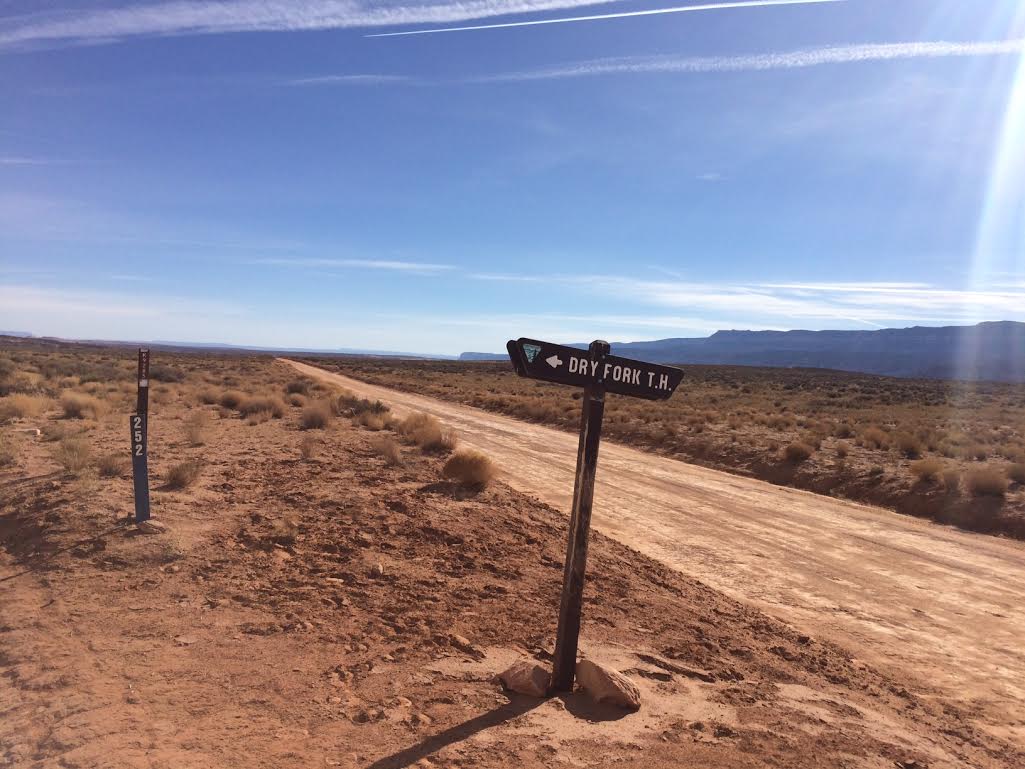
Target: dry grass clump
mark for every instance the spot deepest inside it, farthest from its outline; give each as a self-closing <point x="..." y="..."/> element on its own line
<point x="798" y="452"/>
<point x="8" y="451"/>
<point x="470" y="468"/>
<point x="315" y="416"/>
<point x="874" y="438"/>
<point x="842" y="450"/>
<point x="309" y="447"/>
<point x="208" y="396"/>
<point x="112" y="465"/>
<point x="426" y="432"/>
<point x="985" y="482"/>
<point x="388" y="449"/>
<point x="347" y="402"/>
<point x="20" y="406"/>
<point x="295" y="399"/>
<point x="196" y="424"/>
<point x="951" y="479"/>
<point x="183" y="475"/>
<point x="80" y="406"/>
<point x="371" y="421"/>
<point x="299" y="387"/>
<point x="909" y="445"/>
<point x="270" y="404"/>
<point x="927" y="470"/>
<point x="231" y="399"/>
<point x="1016" y="472"/>
<point x="72" y="454"/>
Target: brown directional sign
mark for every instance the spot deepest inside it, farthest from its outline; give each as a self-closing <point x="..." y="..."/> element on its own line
<point x="571" y="366"/>
<point x="598" y="372"/>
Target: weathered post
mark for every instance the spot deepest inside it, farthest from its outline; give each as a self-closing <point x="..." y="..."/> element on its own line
<point x="568" y="634"/>
<point x="139" y="424"/>
<point x="142" y="400"/>
<point x="598" y="373"/>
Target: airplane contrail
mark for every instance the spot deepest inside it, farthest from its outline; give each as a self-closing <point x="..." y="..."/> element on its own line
<point x="602" y="16"/>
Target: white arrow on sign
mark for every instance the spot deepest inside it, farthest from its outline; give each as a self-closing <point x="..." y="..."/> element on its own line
<point x="553" y="361"/>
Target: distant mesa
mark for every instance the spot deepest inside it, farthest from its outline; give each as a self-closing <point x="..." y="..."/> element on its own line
<point x="987" y="351"/>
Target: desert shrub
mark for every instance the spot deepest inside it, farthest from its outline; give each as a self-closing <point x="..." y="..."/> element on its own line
<point x="7" y="369"/>
<point x="208" y="396"/>
<point x="258" y="417"/>
<point x="20" y="406"/>
<point x="426" y="432"/>
<point x="843" y="430"/>
<point x="271" y="404"/>
<point x="388" y="449"/>
<point x="231" y="399"/>
<point x="8" y="451"/>
<point x="874" y="438"/>
<point x="951" y="479"/>
<point x="183" y="475"/>
<point x="160" y="372"/>
<point x="927" y="469"/>
<point x="196" y="424"/>
<point x="358" y="406"/>
<point x="295" y="399"/>
<point x="80" y="406"/>
<point x="470" y="468"/>
<point x="1016" y="472"/>
<point x="298" y="387"/>
<point x="909" y="445"/>
<point x="842" y="450"/>
<point x="798" y="452"/>
<point x="309" y="447"/>
<point x="370" y="420"/>
<point x="72" y="454"/>
<point x="315" y="416"/>
<point x="112" y="465"/>
<point x="985" y="482"/>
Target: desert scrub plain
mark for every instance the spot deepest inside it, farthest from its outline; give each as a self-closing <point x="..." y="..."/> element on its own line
<point x="950" y="451"/>
<point x="338" y="588"/>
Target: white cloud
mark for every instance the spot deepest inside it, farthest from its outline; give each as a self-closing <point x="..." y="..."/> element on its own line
<point x="801" y="304"/>
<point x="366" y="79"/>
<point x="366" y="264"/>
<point x="618" y="15"/>
<point x="809" y="57"/>
<point x="191" y="17"/>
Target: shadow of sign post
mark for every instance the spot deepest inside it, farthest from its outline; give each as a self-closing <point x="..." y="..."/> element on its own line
<point x="597" y="372"/>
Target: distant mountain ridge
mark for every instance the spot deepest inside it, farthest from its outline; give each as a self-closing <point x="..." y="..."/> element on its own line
<point x="987" y="351"/>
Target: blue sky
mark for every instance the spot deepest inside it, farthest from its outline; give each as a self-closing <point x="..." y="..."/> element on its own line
<point x="268" y="173"/>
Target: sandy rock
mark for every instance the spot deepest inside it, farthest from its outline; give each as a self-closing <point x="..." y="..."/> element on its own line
<point x="377" y="570"/>
<point x="604" y="685"/>
<point x="526" y="677"/>
<point x="151" y="526"/>
<point x="466" y="646"/>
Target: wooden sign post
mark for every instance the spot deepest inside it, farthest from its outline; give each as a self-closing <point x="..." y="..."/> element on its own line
<point x="597" y="372"/>
<point x="139" y="423"/>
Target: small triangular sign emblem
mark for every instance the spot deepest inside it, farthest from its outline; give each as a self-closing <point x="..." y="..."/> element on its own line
<point x="531" y="351"/>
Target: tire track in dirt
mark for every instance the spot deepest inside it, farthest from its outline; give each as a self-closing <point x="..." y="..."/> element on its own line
<point x="928" y="599"/>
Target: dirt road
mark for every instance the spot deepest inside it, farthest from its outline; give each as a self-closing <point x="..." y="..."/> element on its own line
<point x="943" y="603"/>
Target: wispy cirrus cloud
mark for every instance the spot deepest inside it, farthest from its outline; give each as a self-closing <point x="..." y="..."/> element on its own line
<point x="359" y="79"/>
<point x="421" y="268"/>
<point x="608" y="16"/>
<point x="807" y="57"/>
<point x="797" y="304"/>
<point x="191" y="17"/>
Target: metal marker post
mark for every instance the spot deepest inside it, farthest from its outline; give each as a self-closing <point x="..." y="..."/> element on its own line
<point x="142" y="401"/>
<point x="565" y="664"/>
<point x="140" y="469"/>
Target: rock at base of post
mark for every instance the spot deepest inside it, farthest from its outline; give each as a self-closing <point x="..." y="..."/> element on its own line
<point x="527" y="677"/>
<point x="151" y="526"/>
<point x="609" y="686"/>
